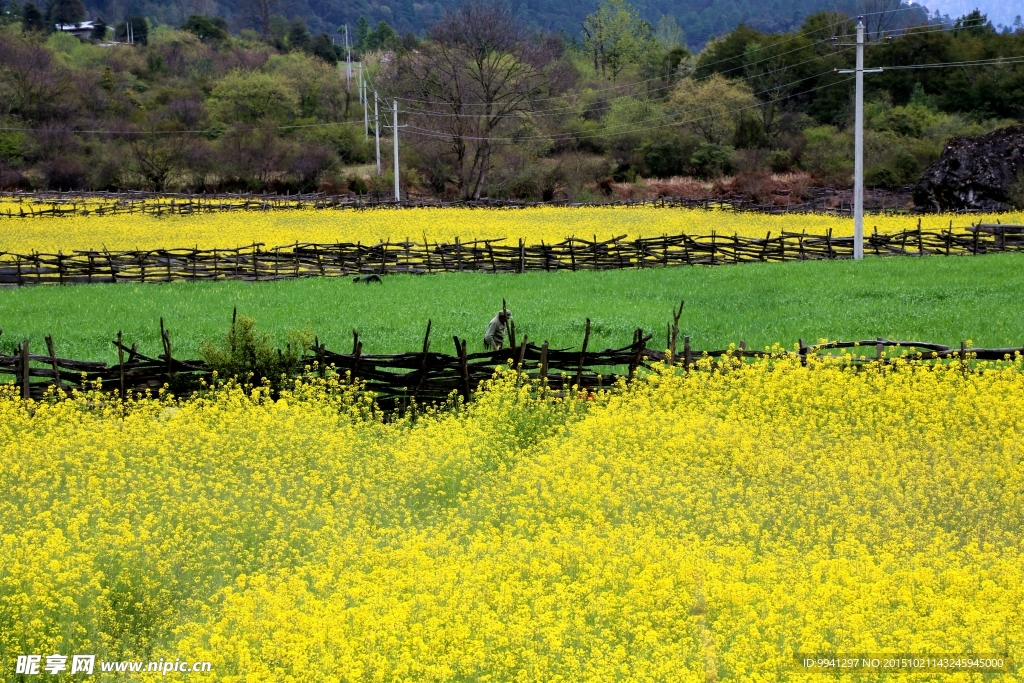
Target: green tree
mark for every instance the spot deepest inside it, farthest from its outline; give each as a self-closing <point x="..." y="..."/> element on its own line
<point x="65" y="11"/>
<point x="323" y="48"/>
<point x="382" y="38"/>
<point x="712" y="108"/>
<point x="99" y="31"/>
<point x="362" y="34"/>
<point x="615" y="36"/>
<point x="251" y="96"/>
<point x="140" y="30"/>
<point x="205" y="28"/>
<point x="668" y="34"/>
<point x="11" y="14"/>
<point x="299" y="37"/>
<point x="32" y="19"/>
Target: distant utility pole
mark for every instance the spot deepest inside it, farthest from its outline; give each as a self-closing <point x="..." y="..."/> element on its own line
<point x="858" y="144"/>
<point x="394" y="104"/>
<point x="366" y="111"/>
<point x="361" y="83"/>
<point x="348" y="60"/>
<point x="376" y="129"/>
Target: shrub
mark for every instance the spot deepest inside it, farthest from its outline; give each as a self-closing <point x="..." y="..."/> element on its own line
<point x="712" y="161"/>
<point x="251" y="356"/>
<point x="827" y="156"/>
<point x="779" y="160"/>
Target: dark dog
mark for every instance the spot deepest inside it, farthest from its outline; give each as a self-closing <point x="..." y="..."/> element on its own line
<point x="367" y="279"/>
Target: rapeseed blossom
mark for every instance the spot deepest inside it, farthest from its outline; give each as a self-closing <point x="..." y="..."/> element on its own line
<point x="534" y="225"/>
<point x="688" y="527"/>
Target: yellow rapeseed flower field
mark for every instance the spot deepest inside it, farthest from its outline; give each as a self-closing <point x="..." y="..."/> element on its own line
<point x="687" y="528"/>
<point x="547" y="224"/>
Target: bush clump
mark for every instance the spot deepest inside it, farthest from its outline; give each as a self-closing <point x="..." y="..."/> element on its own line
<point x="251" y="356"/>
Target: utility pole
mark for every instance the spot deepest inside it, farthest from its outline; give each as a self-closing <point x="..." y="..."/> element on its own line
<point x="858" y="149"/>
<point x="366" y="111"/>
<point x="361" y="83"/>
<point x="858" y="143"/>
<point x="348" y="61"/>
<point x="394" y="104"/>
<point x="376" y="129"/>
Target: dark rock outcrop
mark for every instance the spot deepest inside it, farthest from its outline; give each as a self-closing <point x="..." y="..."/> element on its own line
<point x="974" y="173"/>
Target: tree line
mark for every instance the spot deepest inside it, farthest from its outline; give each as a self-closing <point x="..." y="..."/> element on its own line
<point x="489" y="106"/>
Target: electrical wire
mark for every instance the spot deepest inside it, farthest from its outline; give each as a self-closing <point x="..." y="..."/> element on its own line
<point x="564" y="110"/>
<point x="220" y="131"/>
<point x="995" y="61"/>
<point x="702" y="66"/>
<point x="424" y="132"/>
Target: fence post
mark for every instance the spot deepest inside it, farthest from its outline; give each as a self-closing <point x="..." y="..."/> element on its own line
<point x="519" y="358"/>
<point x="583" y="353"/>
<point x="675" y="330"/>
<point x="423" y="361"/>
<point x="802" y="352"/>
<point x="687" y="353"/>
<point x="357" y="349"/>
<point x="544" y="361"/>
<point x="53" y="361"/>
<point x="25" y="386"/>
<point x="639" y="344"/>
<point x="522" y="255"/>
<point x="165" y="337"/>
<point x="460" y="352"/>
<point x="120" y="365"/>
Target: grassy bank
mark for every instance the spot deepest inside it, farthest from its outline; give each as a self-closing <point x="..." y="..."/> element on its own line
<point x="933" y="299"/>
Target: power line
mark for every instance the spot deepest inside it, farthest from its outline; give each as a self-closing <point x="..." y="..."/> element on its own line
<point x="220" y="131"/>
<point x="658" y="78"/>
<point x="562" y="110"/>
<point x="995" y="61"/>
<point x="424" y="132"/>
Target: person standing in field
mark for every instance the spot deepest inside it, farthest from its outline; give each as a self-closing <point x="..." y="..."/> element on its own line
<point x="494" y="339"/>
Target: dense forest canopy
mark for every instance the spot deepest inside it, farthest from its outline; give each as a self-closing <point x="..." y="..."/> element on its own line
<point x="489" y="105"/>
<point x="702" y="19"/>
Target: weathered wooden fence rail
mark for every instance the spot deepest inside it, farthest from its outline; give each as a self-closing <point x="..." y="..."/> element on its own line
<point x="429" y="376"/>
<point x="255" y="263"/>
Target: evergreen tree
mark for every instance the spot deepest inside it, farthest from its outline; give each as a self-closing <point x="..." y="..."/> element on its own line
<point x="363" y="31"/>
<point x="32" y="19"/>
<point x="99" y="31"/>
<point x="139" y="33"/>
<point x="65" y="12"/>
<point x="298" y="36"/>
<point x="324" y="49"/>
<point x="11" y="14"/>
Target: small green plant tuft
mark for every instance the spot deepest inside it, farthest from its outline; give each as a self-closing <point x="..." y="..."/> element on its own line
<point x="251" y="356"/>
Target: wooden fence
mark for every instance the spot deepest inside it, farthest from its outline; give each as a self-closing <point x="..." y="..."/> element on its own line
<point x="254" y="263"/>
<point x="58" y="204"/>
<point x="427" y="376"/>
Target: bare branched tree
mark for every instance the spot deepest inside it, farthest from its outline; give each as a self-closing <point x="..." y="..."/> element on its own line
<point x="32" y="84"/>
<point x="470" y="87"/>
<point x="259" y="13"/>
<point x="159" y="148"/>
<point x="880" y="17"/>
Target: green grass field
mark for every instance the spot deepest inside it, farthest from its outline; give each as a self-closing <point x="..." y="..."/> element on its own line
<point x="929" y="299"/>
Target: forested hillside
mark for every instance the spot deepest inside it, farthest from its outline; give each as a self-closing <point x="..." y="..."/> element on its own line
<point x="490" y="106"/>
<point x="702" y="19"/>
